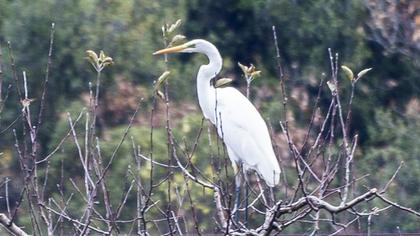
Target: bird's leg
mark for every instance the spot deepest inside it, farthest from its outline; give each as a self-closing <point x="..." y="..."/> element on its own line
<point x="246" y="182"/>
<point x="237" y="190"/>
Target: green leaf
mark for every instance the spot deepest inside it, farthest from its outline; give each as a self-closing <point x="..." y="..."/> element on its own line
<point x="179" y="38"/>
<point x="243" y="68"/>
<point x="256" y="73"/>
<point x="160" y="94"/>
<point x="251" y="68"/>
<point x="222" y="82"/>
<point x="363" y="72"/>
<point x="92" y="57"/>
<point x="162" y="78"/>
<point x="174" y="26"/>
<point x="163" y="31"/>
<point x="348" y="72"/>
<point x="107" y="61"/>
<point x="102" y="56"/>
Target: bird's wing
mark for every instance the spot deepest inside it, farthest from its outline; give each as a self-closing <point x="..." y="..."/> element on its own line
<point x="244" y="131"/>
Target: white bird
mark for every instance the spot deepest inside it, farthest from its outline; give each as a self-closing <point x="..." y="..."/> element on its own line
<point x="238" y="122"/>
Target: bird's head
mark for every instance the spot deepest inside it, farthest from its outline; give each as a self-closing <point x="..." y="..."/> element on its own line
<point x="196" y="45"/>
<point x="199" y="46"/>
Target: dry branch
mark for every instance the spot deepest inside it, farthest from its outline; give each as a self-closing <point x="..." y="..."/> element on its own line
<point x="10" y="226"/>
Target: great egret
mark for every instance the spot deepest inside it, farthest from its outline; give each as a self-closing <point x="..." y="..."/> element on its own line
<point x="238" y="122"/>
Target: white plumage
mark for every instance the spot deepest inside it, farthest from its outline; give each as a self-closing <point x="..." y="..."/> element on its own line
<point x="238" y="122"/>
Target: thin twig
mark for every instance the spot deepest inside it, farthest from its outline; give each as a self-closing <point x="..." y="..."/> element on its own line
<point x="407" y="209"/>
<point x="385" y="188"/>
<point x="114" y="153"/>
<point x="13" y="65"/>
<point x="47" y="75"/>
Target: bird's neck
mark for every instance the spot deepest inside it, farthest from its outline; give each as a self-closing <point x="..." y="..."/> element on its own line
<point x="206" y="91"/>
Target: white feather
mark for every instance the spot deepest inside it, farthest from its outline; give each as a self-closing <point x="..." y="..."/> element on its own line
<point x="238" y="122"/>
<point x="244" y="131"/>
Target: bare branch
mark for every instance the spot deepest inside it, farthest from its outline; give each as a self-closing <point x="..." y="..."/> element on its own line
<point x="10" y="226"/>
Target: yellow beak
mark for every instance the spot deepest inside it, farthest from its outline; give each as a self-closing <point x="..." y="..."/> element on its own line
<point x="171" y="50"/>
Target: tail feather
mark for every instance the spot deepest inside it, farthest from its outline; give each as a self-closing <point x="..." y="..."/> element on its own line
<point x="270" y="172"/>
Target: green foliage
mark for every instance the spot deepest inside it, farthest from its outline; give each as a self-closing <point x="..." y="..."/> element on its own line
<point x="130" y="31"/>
<point x="394" y="139"/>
<point x="127" y="30"/>
<point x="124" y="166"/>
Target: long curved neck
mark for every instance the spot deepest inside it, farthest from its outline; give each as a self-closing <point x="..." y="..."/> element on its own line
<point x="206" y="91"/>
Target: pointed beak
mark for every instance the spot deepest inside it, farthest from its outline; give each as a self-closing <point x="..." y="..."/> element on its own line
<point x="171" y="50"/>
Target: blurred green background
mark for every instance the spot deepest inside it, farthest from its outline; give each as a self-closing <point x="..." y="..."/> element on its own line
<point x="365" y="34"/>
